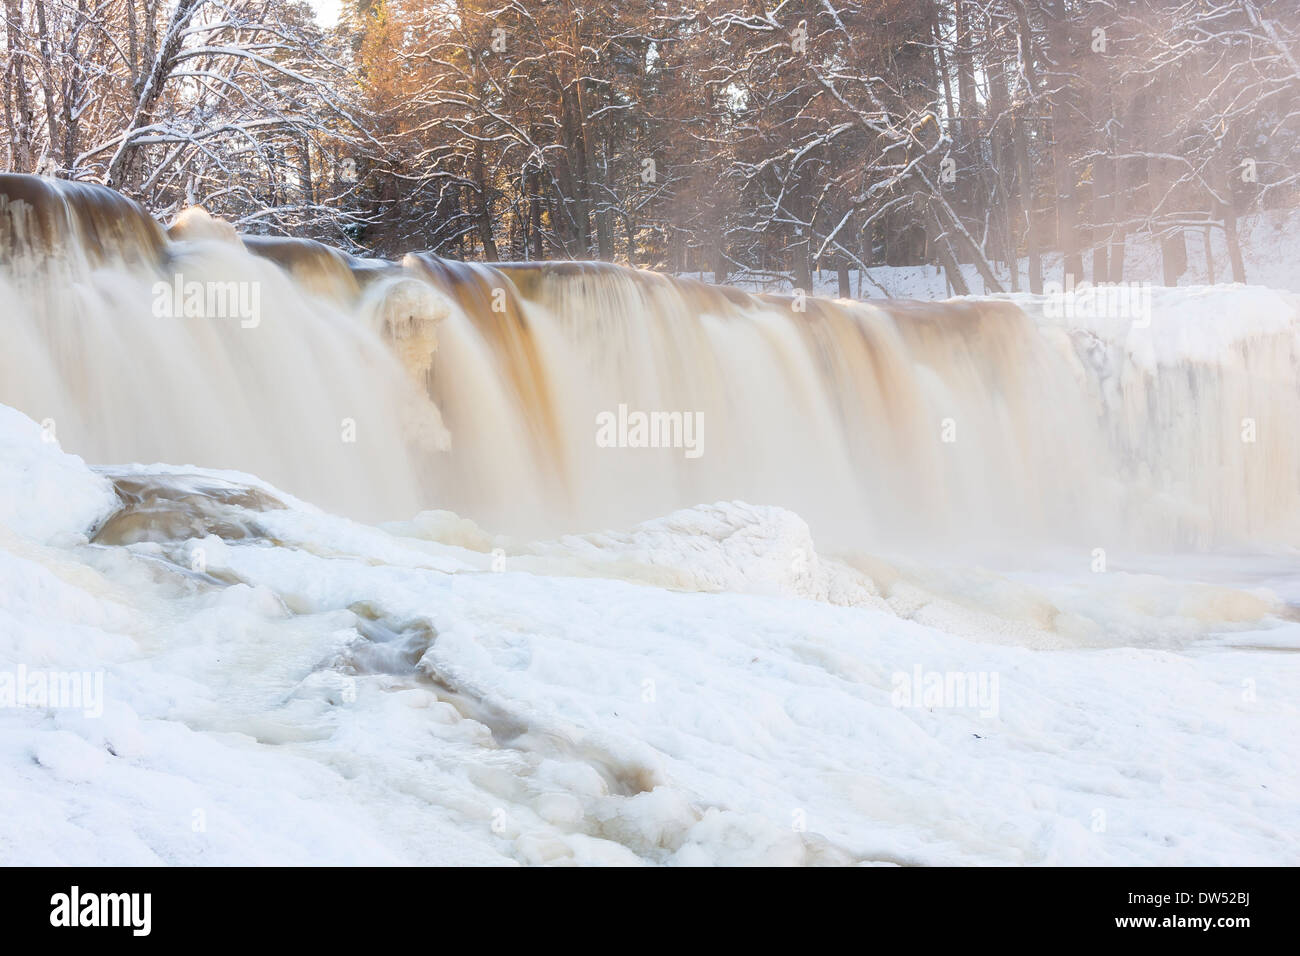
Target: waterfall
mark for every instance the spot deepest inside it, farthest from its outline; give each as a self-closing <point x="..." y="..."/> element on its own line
<point x="537" y="398"/>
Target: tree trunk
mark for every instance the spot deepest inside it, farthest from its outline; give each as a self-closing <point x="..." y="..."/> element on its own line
<point x="47" y="76"/>
<point x="483" y="206"/>
<point x="21" y="131"/>
<point x="943" y="251"/>
<point x="1027" y="207"/>
<point x="1234" y="244"/>
<point x="1173" y="256"/>
<point x="151" y="85"/>
<point x="1103" y="210"/>
<point x="800" y="265"/>
<point x="1003" y="158"/>
<point x="535" y="212"/>
<point x="1064" y="110"/>
<point x="305" y="184"/>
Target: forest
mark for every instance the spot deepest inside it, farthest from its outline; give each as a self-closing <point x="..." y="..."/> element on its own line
<point x="733" y="137"/>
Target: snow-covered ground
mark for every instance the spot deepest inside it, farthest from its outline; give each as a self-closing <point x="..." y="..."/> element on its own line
<point x="1270" y="244"/>
<point x="284" y="686"/>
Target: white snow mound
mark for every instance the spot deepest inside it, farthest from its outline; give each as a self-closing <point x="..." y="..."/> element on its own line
<point x="44" y="492"/>
<point x="728" y="546"/>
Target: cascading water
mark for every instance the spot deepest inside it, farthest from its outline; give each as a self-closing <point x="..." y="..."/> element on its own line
<point x="301" y="393"/>
<point x="512" y="394"/>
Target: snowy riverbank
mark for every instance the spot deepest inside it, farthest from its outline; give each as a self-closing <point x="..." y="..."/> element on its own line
<point x="706" y="689"/>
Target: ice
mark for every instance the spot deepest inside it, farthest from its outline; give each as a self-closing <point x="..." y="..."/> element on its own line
<point x="705" y="688"/>
<point x="45" y="493"/>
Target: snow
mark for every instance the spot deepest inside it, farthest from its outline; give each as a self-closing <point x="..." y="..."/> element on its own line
<point x="727" y="546"/>
<point x="43" y="492"/>
<point x="703" y="688"/>
<point x="1185" y="326"/>
<point x="1270" y="249"/>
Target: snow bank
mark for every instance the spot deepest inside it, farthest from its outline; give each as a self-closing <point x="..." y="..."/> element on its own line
<point x="1270" y="243"/>
<point x="1186" y="326"/>
<point x="45" y="492"/>
<point x="704" y="688"/>
<point x="727" y="546"/>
